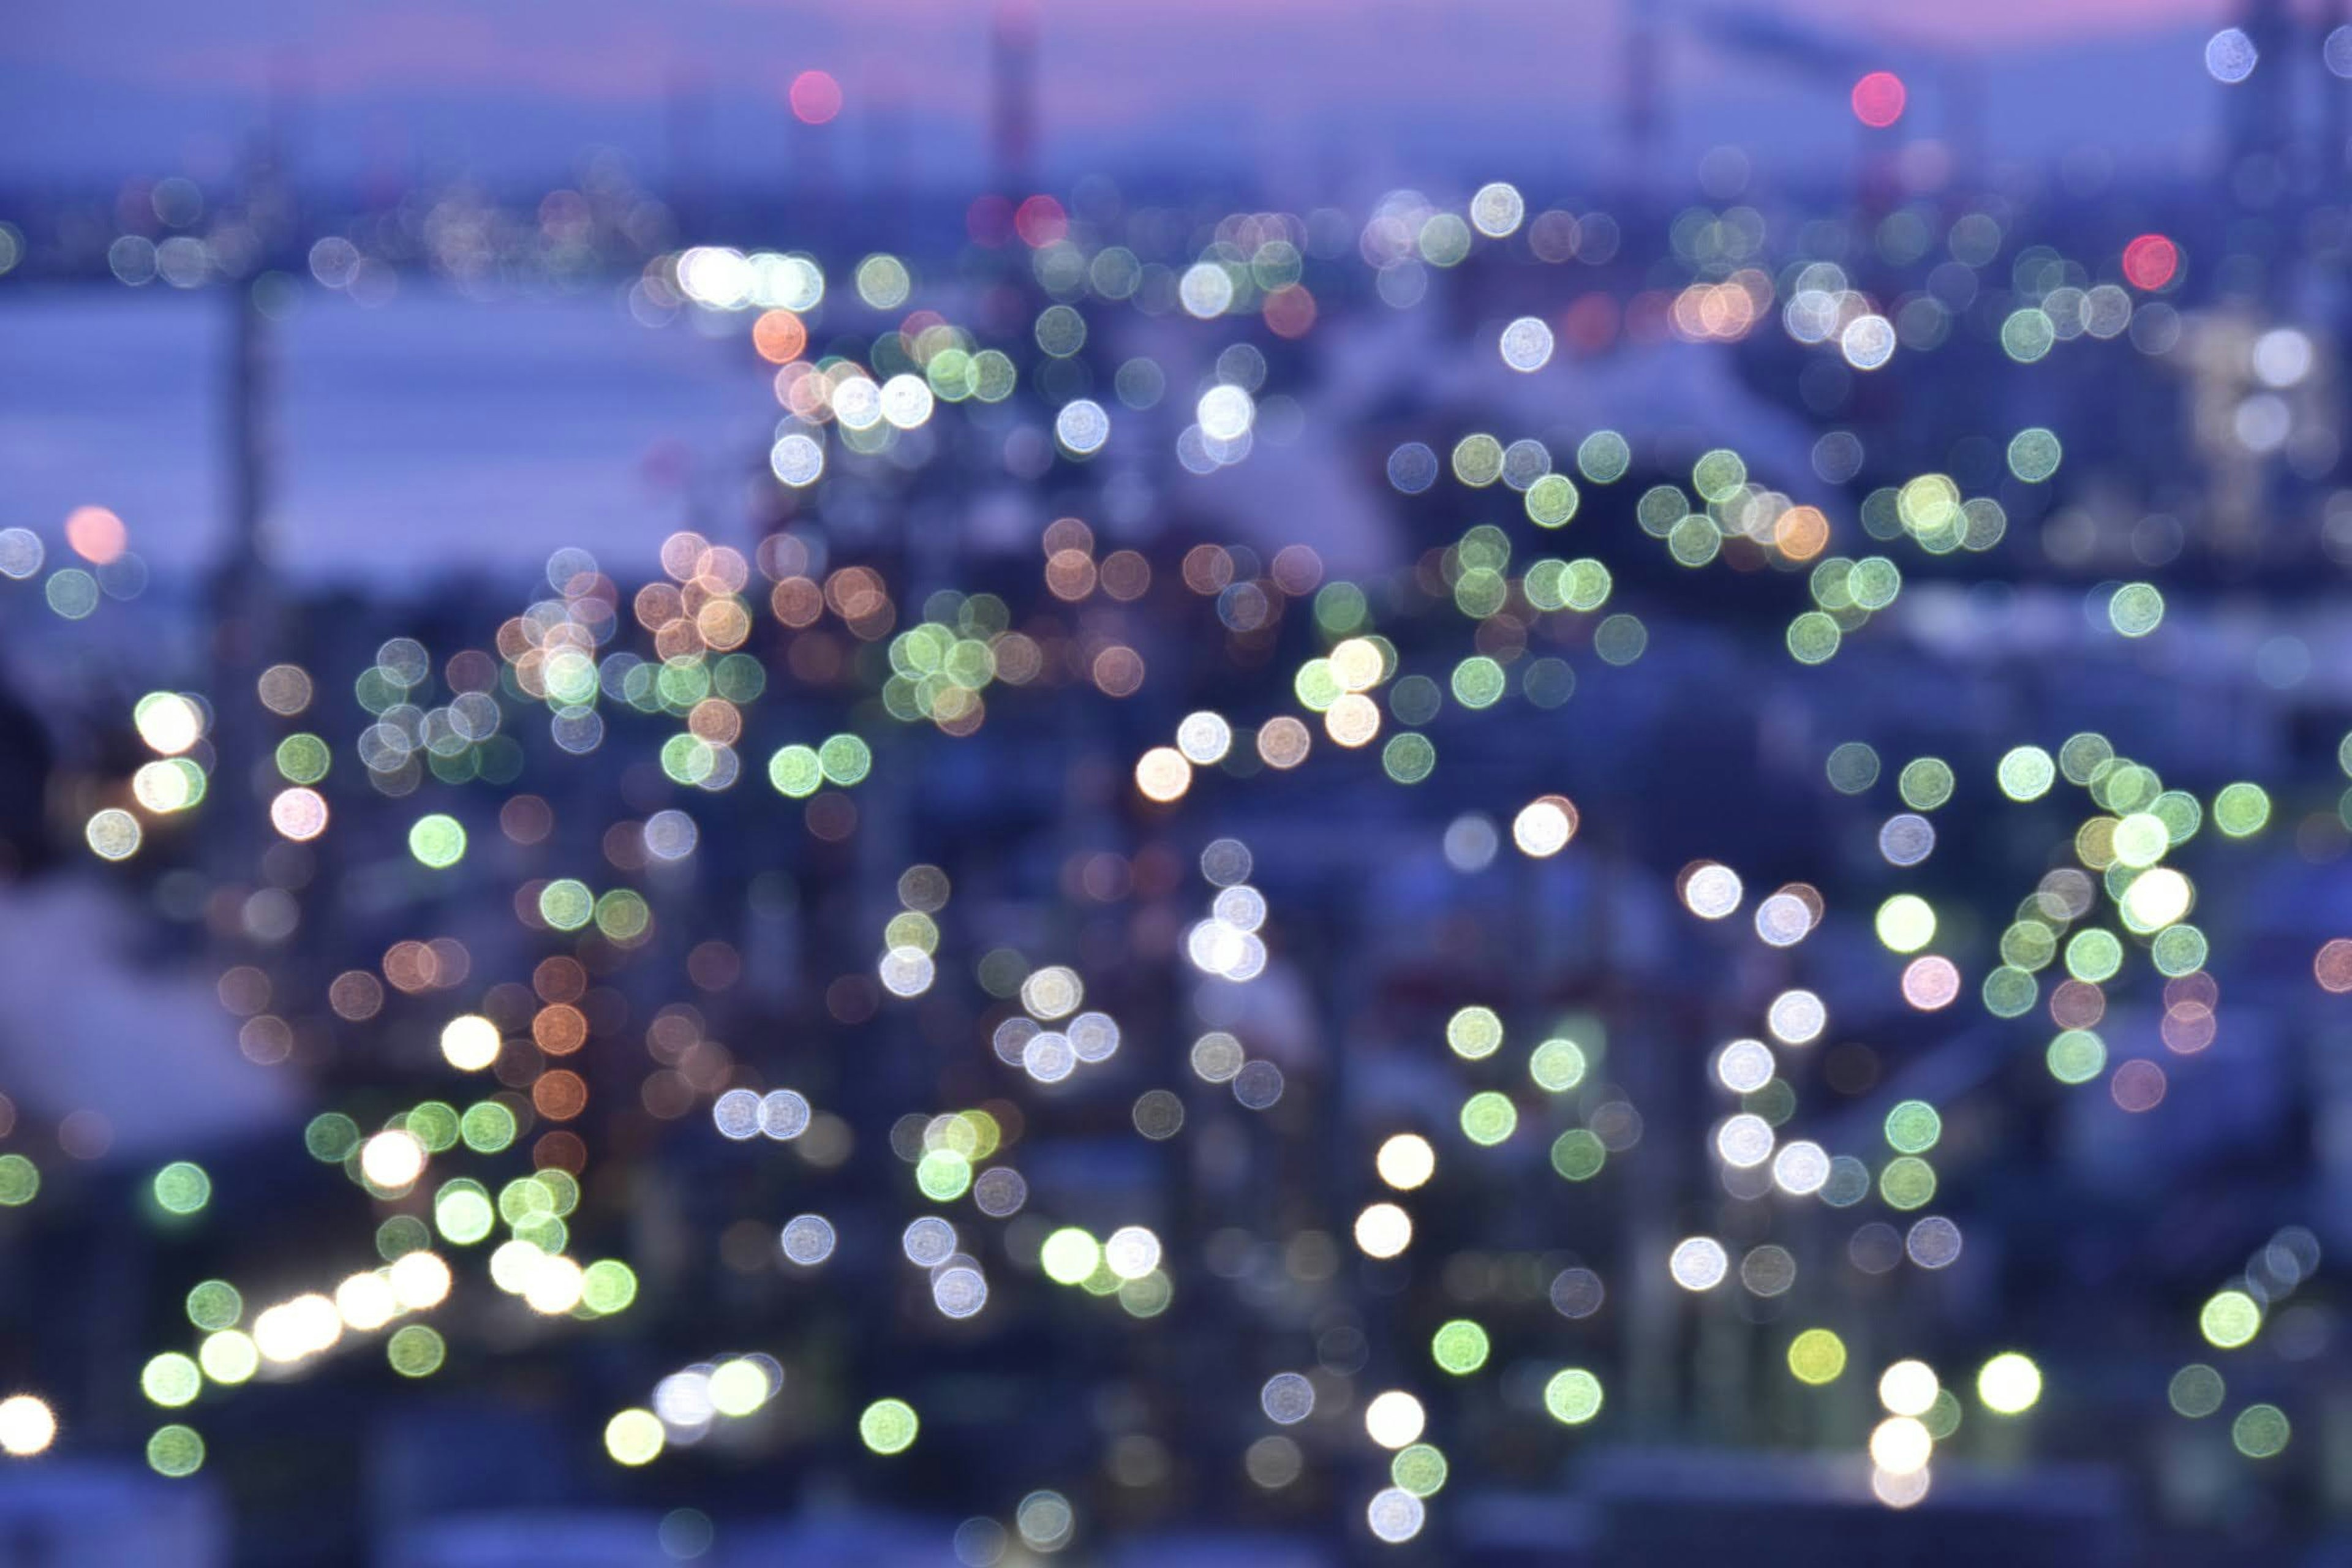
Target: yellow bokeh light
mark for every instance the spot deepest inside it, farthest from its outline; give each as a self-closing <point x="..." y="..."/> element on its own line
<point x="469" y="1042"/>
<point x="1384" y="1230"/>
<point x="2009" y="1384"/>
<point x="1395" y="1418"/>
<point x="1164" y="774"/>
<point x="1405" y="1160"/>
<point x="1908" y="1388"/>
<point x="392" y="1160"/>
<point x="634" y="1437"/>
<point x="27" y="1425"/>
<point x="1901" y="1445"/>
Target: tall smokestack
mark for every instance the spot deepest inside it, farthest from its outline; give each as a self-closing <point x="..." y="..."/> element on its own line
<point x="1013" y="72"/>
<point x="1642" y="108"/>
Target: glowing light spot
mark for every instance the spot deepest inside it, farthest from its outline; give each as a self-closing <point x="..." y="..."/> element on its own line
<point x="1908" y="1388"/>
<point x="1405" y="1160"/>
<point x="168" y="722"/>
<point x="112" y="835"/>
<point x="2229" y="1320"/>
<point x="392" y="1160"/>
<point x="1527" y="344"/>
<point x="2230" y="56"/>
<point x="1163" y="774"/>
<point x="889" y="1427"/>
<point x="1711" y="891"/>
<point x="1573" y="1396"/>
<point x="27" y="1425"/>
<point x="175" y="1451"/>
<point x="2150" y="261"/>
<point x="1069" y="1255"/>
<point x="1459" y="1347"/>
<point x="1900" y="1445"/>
<point x="1384" y="1230"/>
<point x="2260" y="1432"/>
<point x="1816" y="1356"/>
<point x="96" y="534"/>
<point x="1395" y="1418"/>
<point x="2009" y="1384"/>
<point x="1394" y="1515"/>
<point x="1699" y="1263"/>
<point x="469" y="1042"/>
<point x="634" y="1437"/>
<point x="170" y="1380"/>
<point x="1544" y="826"/>
<point x="1906" y="923"/>
<point x="437" y="841"/>
<point x="1878" y="98"/>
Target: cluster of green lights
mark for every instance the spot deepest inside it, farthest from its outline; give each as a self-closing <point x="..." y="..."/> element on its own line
<point x="457" y="742"/>
<point x="679" y="684"/>
<point x="799" y="771"/>
<point x="1229" y="281"/>
<point x="2140" y="822"/>
<point x="1846" y="593"/>
<point x="620" y="914"/>
<point x="940" y="667"/>
<point x="943" y="1174"/>
<point x="1931" y="512"/>
<point x="1581" y="584"/>
<point x="953" y="1146"/>
<point x="1070" y="1256"/>
<point x="953" y="369"/>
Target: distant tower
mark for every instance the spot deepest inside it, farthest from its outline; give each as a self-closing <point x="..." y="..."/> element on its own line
<point x="241" y="588"/>
<point x="238" y="576"/>
<point x="1013" y="72"/>
<point x="1643" y="106"/>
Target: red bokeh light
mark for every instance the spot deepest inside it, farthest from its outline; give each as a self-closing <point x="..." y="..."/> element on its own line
<point x="2150" y="261"/>
<point x="816" y="97"/>
<point x="1290" y="311"/>
<point x="1879" y="97"/>
<point x="1040" y="221"/>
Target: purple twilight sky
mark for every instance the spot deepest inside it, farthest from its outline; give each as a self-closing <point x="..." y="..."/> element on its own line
<point x="1303" y="89"/>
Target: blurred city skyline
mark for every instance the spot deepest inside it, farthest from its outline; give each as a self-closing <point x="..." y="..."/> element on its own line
<point x="1325" y="93"/>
